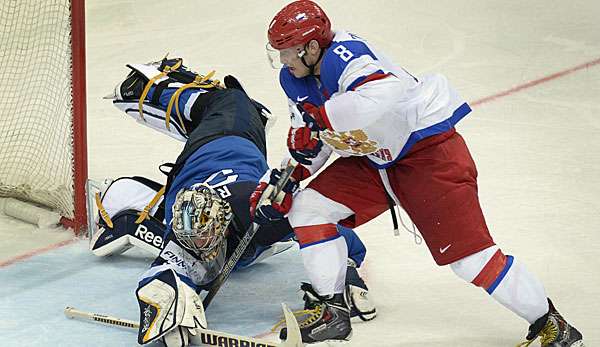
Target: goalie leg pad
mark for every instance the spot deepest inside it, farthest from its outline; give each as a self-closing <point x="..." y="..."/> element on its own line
<point x="122" y="200"/>
<point x="167" y="304"/>
<point x="131" y="193"/>
<point x="126" y="233"/>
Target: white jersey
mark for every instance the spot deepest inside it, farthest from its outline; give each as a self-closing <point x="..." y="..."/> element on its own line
<point x="373" y="107"/>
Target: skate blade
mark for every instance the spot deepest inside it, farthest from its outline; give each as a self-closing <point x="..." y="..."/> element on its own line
<point x="357" y="320"/>
<point x="331" y="343"/>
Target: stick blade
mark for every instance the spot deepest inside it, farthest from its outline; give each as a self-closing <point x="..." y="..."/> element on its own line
<point x="293" y="330"/>
<point x="69" y="312"/>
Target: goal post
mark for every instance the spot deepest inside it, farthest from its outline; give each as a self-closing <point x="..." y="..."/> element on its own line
<point x="78" y="90"/>
<point x="43" y="151"/>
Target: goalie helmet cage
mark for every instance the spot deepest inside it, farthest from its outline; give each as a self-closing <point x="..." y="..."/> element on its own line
<point x="43" y="154"/>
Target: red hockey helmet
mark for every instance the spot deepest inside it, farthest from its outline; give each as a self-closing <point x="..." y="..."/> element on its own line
<point x="298" y="23"/>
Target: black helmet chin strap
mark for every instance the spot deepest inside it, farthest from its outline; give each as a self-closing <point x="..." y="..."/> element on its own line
<point x="311" y="68"/>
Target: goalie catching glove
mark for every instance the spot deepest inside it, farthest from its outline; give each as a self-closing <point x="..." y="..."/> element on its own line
<point x="278" y="206"/>
<point x="170" y="310"/>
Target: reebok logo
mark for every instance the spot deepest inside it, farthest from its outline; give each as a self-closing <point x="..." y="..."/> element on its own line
<point x="147" y="236"/>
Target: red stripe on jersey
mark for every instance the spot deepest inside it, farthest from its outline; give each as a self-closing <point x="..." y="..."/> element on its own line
<point x="315" y="233"/>
<point x="490" y="271"/>
<point x="372" y="77"/>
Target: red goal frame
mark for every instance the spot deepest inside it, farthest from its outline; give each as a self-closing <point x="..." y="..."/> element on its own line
<point x="78" y="90"/>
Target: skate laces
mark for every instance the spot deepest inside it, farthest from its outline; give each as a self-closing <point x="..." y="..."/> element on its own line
<point x="312" y="316"/>
<point x="546" y="335"/>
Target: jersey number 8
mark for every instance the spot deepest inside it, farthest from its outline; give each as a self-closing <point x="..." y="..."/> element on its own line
<point x="343" y="52"/>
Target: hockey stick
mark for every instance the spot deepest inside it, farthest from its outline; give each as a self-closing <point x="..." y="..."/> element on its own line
<point x="270" y="193"/>
<point x="206" y="335"/>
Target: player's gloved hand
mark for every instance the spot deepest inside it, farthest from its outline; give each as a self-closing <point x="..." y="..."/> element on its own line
<point x="279" y="205"/>
<point x="312" y="116"/>
<point x="304" y="144"/>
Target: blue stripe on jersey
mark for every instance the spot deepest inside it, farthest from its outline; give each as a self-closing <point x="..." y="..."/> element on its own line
<point x="509" y="262"/>
<point x="225" y="153"/>
<point x="297" y="89"/>
<point x="435" y="129"/>
<point x="336" y="59"/>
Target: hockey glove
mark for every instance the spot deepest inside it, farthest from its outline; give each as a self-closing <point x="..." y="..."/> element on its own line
<point x="313" y="117"/>
<point x="279" y="206"/>
<point x="303" y="142"/>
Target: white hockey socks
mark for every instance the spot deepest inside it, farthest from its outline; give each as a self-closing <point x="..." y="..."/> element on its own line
<point x="506" y="280"/>
<point x="324" y="259"/>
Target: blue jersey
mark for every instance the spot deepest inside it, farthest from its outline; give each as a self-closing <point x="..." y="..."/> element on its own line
<point x="218" y="163"/>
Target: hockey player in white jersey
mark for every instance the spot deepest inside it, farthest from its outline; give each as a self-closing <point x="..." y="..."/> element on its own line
<point x="194" y="223"/>
<point x="398" y="146"/>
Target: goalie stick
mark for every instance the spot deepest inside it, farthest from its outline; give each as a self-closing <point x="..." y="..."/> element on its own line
<point x="269" y="194"/>
<point x="224" y="339"/>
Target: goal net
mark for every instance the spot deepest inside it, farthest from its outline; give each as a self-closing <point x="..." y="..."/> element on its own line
<point x="42" y="105"/>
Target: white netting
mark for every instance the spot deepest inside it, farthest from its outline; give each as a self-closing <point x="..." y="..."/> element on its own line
<point x="35" y="103"/>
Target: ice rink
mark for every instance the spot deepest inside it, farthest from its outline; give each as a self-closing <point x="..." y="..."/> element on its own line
<point x="530" y="70"/>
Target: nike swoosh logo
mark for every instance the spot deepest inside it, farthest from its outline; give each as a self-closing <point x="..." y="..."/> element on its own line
<point x="443" y="250"/>
<point x="300" y="99"/>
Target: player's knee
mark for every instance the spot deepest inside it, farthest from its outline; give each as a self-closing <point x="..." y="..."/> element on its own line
<point x="312" y="208"/>
<point x="484" y="269"/>
<point x="302" y="200"/>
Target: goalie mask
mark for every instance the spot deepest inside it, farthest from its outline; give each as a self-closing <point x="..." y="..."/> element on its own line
<point x="200" y="219"/>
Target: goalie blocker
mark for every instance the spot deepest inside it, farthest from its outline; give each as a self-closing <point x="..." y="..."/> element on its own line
<point x="170" y="311"/>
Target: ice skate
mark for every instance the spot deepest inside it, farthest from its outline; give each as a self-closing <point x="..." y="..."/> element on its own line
<point x="328" y="321"/>
<point x="361" y="306"/>
<point x="553" y="331"/>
